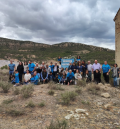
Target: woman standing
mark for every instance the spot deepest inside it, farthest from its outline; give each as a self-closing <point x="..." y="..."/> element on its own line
<point x="115" y="74"/>
<point x="20" y="69"/>
<point x="25" y="67"/>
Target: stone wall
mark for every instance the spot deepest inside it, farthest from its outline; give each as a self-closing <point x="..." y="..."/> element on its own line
<point x="117" y="38"/>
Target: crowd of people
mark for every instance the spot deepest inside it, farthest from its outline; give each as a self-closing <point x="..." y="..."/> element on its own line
<point x="35" y="73"/>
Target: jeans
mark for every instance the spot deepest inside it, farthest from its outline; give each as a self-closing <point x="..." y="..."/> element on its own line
<point x="11" y="72"/>
<point x="115" y="81"/>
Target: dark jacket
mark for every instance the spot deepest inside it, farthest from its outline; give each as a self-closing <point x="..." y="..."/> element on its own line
<point x="73" y="67"/>
<point x="50" y="77"/>
<point x="57" y="68"/>
<point x="20" y="69"/>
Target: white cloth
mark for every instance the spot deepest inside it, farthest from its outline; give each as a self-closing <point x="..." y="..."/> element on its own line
<point x="27" y="77"/>
<point x="55" y="68"/>
<point x="48" y="70"/>
<point x="25" y="68"/>
<point x="89" y="67"/>
<point x="78" y="76"/>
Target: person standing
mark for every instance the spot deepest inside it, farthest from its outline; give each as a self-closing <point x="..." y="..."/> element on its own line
<point x="31" y="67"/>
<point x="115" y="74"/>
<point x="89" y="68"/>
<point x="96" y="66"/>
<point x="55" y="69"/>
<point x="11" y="68"/>
<point x="20" y="70"/>
<point x="106" y="70"/>
<point x="25" y="66"/>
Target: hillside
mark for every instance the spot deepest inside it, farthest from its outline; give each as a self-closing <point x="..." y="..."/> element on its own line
<point x="25" y="50"/>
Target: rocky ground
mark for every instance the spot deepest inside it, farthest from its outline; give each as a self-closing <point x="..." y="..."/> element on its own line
<point x="95" y="107"/>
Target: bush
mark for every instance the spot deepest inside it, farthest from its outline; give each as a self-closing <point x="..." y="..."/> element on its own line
<point x="31" y="104"/>
<point x="57" y="125"/>
<point x="15" y="112"/>
<point x="51" y="92"/>
<point x="16" y="91"/>
<point x="68" y="96"/>
<point x="42" y="104"/>
<point x="5" y="86"/>
<point x="27" y="91"/>
<point x="4" y="67"/>
<point x="7" y="101"/>
<point x="94" y="89"/>
<point x="85" y="102"/>
<point x="78" y="90"/>
<point x="81" y="82"/>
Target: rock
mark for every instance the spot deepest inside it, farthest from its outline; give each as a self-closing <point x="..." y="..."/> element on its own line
<point x="69" y="116"/>
<point x="71" y="112"/>
<point x="107" y="106"/>
<point x="80" y="110"/>
<point x="100" y="84"/>
<point x="106" y="95"/>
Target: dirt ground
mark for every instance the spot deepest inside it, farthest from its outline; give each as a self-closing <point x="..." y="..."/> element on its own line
<point x="39" y="117"/>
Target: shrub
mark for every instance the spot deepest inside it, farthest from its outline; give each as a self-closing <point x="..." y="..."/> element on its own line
<point x="68" y="96"/>
<point x="7" y="101"/>
<point x="31" y="104"/>
<point x="81" y="82"/>
<point x="42" y="104"/>
<point x="16" y="91"/>
<point x="51" y="85"/>
<point x="94" y="89"/>
<point x="5" y="86"/>
<point x="85" y="102"/>
<point x="4" y="67"/>
<point x="57" y="125"/>
<point x="78" y="90"/>
<point x="27" y="91"/>
<point x="15" y="112"/>
<point x="51" y="92"/>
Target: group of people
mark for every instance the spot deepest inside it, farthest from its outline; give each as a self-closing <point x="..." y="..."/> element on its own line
<point x="35" y="73"/>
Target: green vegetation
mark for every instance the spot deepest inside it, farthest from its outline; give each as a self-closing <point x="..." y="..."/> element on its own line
<point x="4" y="67"/>
<point x="26" y="49"/>
<point x="5" y="86"/>
<point x="27" y="91"/>
<point x="81" y="83"/>
<point x="68" y="96"/>
<point x="42" y="104"/>
<point x="7" y="101"/>
<point x="16" y="91"/>
<point x="51" y="92"/>
<point x="31" y="104"/>
<point x="15" y="112"/>
<point x="57" y="125"/>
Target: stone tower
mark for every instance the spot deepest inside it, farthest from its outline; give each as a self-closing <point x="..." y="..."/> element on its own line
<point x="117" y="38"/>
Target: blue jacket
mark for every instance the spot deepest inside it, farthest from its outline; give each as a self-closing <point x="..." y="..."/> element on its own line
<point x="52" y="67"/>
<point x="31" y="67"/>
<point x="50" y="77"/>
<point x="35" y="79"/>
<point x="70" y="76"/>
<point x="16" y="77"/>
<point x="80" y="68"/>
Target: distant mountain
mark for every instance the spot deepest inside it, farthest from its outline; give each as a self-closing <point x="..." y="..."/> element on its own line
<point x="25" y="50"/>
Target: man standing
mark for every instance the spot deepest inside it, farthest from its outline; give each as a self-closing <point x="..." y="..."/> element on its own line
<point x="96" y="66"/>
<point x="31" y="67"/>
<point x="106" y="70"/>
<point x="55" y="69"/>
<point x="11" y="68"/>
<point x="89" y="68"/>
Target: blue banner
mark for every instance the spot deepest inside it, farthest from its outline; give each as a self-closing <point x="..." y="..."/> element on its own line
<point x="66" y="62"/>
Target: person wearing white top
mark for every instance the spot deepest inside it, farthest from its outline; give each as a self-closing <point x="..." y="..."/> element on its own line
<point x="77" y="76"/>
<point x="48" y="69"/>
<point x="27" y="77"/>
<point x="25" y="67"/>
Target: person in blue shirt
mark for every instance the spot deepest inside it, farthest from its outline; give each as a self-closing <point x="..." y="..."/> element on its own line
<point x="35" y="78"/>
<point x="11" y="68"/>
<point x="78" y="58"/>
<point x="31" y="67"/>
<point x="16" y="78"/>
<point x="106" y="70"/>
<point x="59" y="59"/>
<point x="80" y="67"/>
<point x="70" y="77"/>
<point x="52" y="67"/>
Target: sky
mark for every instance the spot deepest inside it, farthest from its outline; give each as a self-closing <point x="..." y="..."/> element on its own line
<point x="55" y="21"/>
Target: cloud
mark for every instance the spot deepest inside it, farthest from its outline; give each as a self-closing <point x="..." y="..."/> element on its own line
<point x="51" y="21"/>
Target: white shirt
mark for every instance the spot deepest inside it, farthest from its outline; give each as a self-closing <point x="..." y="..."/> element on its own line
<point x="89" y="67"/>
<point x="55" y="68"/>
<point x="27" y="77"/>
<point x="25" y="68"/>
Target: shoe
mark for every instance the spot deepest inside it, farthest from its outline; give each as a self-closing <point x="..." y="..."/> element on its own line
<point x="15" y="85"/>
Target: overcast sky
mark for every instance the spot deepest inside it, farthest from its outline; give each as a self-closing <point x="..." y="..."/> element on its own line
<point x="54" y="21"/>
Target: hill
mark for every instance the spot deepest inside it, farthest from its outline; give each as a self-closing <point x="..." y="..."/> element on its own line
<point x="25" y="50"/>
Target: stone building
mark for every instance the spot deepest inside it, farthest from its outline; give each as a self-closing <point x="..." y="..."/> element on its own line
<point x="117" y="37"/>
